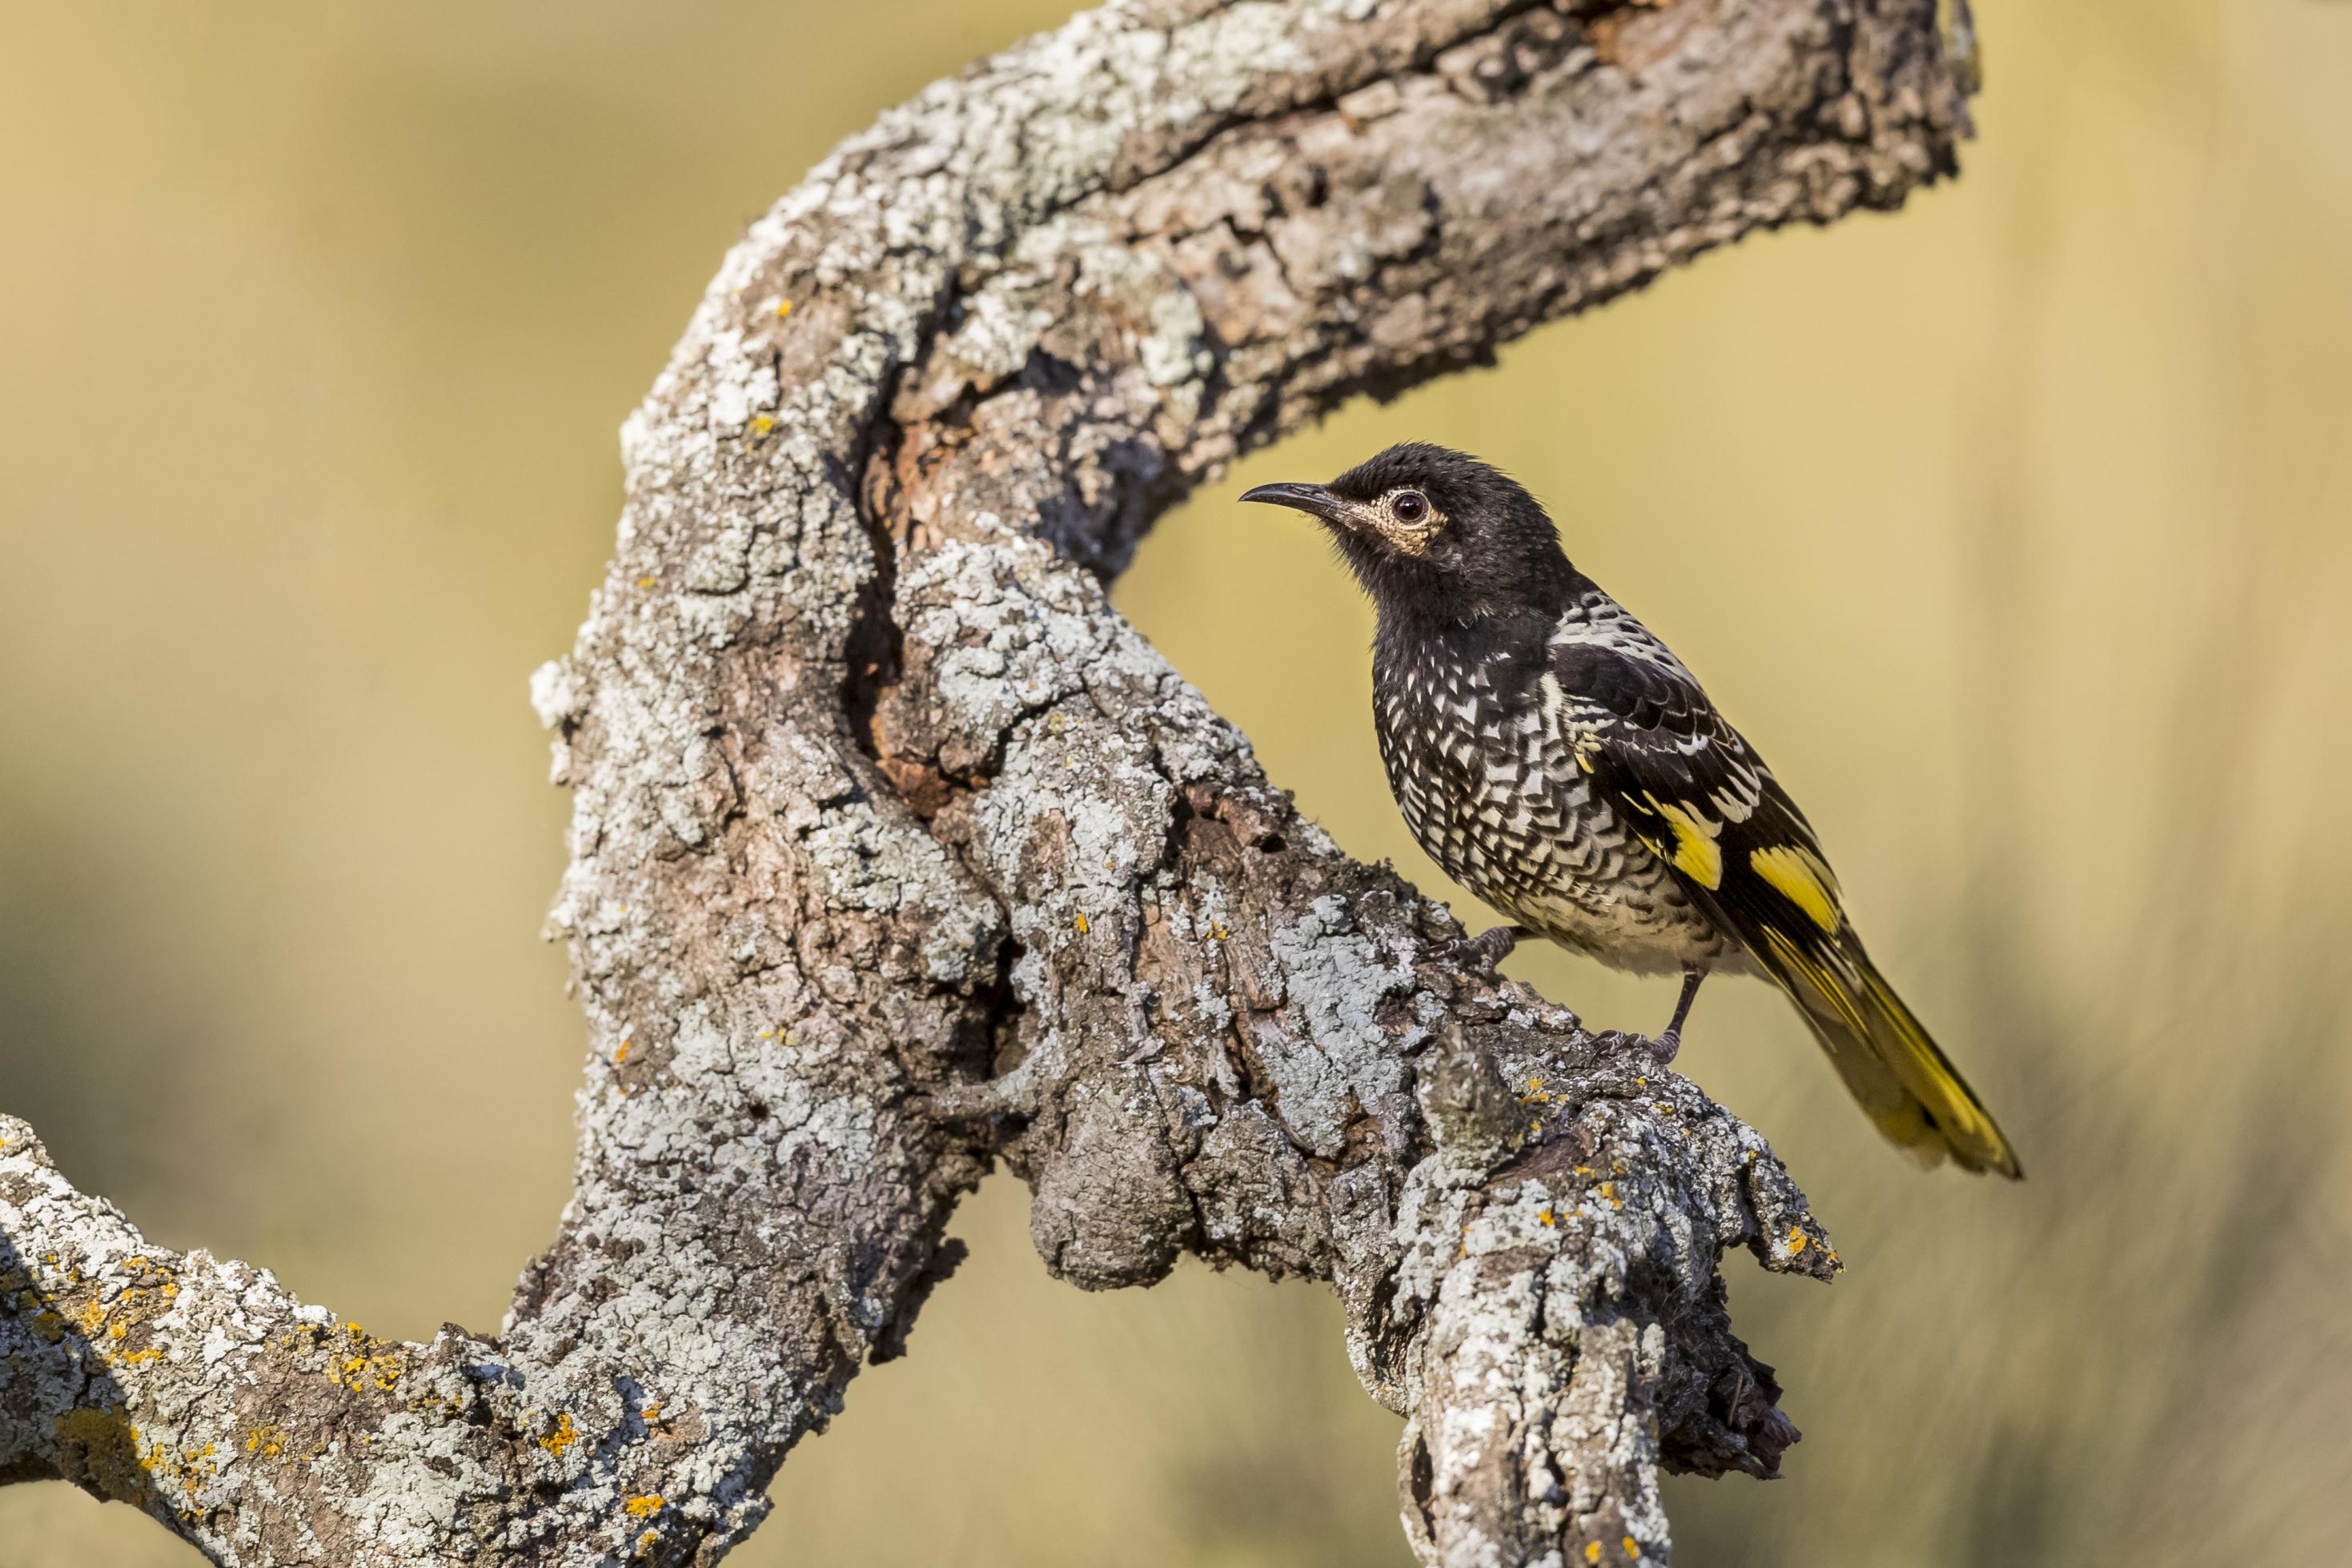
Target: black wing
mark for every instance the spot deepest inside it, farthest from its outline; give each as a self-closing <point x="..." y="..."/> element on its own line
<point x="1694" y="791"/>
<point x="1691" y="788"/>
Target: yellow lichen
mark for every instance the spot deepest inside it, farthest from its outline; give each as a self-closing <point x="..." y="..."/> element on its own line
<point x="783" y="308"/>
<point x="1082" y="924"/>
<point x="563" y="1436"/>
<point x="643" y="1506"/>
<point x="642" y="582"/>
<point x="367" y="1364"/>
<point x="1593" y="1552"/>
<point x="269" y="1441"/>
<point x="1633" y="1547"/>
<point x="1798" y="1240"/>
<point x="100" y="1449"/>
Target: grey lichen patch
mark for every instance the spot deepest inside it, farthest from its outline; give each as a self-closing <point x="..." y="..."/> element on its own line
<point x="1344" y="1058"/>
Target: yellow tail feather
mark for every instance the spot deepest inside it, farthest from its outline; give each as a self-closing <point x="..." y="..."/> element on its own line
<point x="1884" y="1054"/>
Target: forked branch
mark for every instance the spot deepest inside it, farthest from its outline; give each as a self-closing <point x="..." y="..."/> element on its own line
<point x="897" y="853"/>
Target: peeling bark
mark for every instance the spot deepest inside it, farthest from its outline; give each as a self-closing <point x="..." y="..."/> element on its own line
<point x="897" y="853"/>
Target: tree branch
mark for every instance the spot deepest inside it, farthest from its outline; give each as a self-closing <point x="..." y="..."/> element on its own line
<point x="897" y="853"/>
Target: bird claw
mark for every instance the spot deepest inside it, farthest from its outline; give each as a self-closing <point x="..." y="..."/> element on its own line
<point x="1483" y="951"/>
<point x="1661" y="1047"/>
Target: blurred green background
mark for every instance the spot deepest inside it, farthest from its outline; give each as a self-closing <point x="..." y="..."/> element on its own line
<point x="2017" y="527"/>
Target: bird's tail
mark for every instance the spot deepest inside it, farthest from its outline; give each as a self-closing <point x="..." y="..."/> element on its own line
<point x="1884" y="1054"/>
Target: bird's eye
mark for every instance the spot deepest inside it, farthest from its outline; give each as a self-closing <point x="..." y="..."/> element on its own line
<point x="1410" y="507"/>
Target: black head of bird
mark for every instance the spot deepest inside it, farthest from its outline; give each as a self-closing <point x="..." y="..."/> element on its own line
<point x="1435" y="534"/>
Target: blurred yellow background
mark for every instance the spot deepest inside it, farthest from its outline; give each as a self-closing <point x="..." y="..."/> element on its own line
<point x="2016" y="528"/>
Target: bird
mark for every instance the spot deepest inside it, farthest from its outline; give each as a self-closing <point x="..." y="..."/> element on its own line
<point x="1554" y="757"/>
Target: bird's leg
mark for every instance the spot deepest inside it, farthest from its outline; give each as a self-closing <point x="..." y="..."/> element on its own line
<point x="1490" y="946"/>
<point x="1670" y="1043"/>
<point x="1667" y="1043"/>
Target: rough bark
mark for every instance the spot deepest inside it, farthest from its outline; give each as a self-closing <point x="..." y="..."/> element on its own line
<point x="897" y="853"/>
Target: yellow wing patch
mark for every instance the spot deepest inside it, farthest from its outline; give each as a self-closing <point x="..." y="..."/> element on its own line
<point x="1697" y="854"/>
<point x="1802" y="878"/>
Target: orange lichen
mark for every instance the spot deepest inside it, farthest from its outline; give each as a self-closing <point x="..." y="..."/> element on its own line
<point x="1798" y="1240"/>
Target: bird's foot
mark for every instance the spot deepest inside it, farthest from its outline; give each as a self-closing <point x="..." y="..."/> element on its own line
<point x="1661" y="1048"/>
<point x="1486" y="949"/>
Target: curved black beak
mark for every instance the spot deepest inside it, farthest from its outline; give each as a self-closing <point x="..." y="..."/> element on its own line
<point x="1316" y="500"/>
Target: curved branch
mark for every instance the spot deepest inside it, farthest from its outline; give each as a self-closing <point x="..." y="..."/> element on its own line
<point x="897" y="853"/>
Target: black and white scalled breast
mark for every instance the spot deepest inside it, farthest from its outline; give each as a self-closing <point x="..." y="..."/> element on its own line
<point x="1482" y="739"/>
